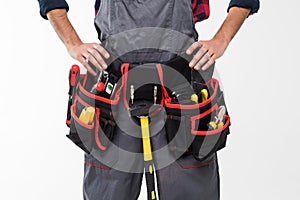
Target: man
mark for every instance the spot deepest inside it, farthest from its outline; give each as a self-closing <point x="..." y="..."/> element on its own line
<point x="175" y="182"/>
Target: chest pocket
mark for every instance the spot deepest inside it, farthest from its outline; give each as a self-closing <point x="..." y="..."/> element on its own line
<point x="131" y="14"/>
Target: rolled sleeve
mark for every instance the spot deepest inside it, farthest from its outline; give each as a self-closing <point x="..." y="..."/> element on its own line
<point x="47" y="5"/>
<point x="253" y="5"/>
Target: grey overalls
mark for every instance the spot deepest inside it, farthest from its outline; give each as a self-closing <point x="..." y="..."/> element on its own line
<point x="186" y="178"/>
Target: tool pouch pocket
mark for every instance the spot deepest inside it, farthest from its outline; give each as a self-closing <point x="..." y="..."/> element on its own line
<point x="176" y="131"/>
<point x="80" y="133"/>
<point x="208" y="141"/>
<point x="95" y="133"/>
<point x="187" y="125"/>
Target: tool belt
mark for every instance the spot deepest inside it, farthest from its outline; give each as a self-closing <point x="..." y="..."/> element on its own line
<point x="188" y="124"/>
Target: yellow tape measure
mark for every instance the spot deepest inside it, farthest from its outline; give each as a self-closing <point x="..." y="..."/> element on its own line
<point x="87" y="115"/>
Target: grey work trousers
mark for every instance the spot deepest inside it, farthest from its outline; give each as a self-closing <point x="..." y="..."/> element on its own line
<point x="186" y="178"/>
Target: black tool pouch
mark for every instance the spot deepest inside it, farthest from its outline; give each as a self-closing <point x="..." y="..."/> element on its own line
<point x="97" y="135"/>
<point x="187" y="124"/>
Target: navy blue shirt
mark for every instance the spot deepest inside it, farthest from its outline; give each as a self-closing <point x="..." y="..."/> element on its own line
<point x="47" y="5"/>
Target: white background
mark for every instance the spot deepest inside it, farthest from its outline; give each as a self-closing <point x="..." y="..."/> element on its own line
<point x="259" y="72"/>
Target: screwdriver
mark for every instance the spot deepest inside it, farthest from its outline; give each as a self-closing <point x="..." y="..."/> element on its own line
<point x="75" y="69"/>
<point x="204" y="94"/>
<point x="155" y="94"/>
<point x="131" y="93"/>
<point x="73" y="78"/>
<point x="87" y="113"/>
<point x="194" y="98"/>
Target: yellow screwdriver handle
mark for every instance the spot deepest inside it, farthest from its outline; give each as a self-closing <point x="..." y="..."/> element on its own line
<point x="194" y="98"/>
<point x="204" y="94"/>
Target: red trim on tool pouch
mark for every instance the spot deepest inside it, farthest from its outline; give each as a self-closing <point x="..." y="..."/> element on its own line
<point x="84" y="80"/>
<point x="93" y="96"/>
<point x="99" y="98"/>
<point x="87" y="126"/>
<point x="197" y="117"/>
<point x="98" y="142"/>
<point x="214" y="84"/>
<point x="124" y="70"/>
<point x="212" y="132"/>
<point x="203" y="114"/>
<point x="82" y="102"/>
<point x="161" y="78"/>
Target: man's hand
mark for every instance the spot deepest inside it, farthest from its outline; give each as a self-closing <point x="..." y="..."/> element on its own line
<point x="89" y="52"/>
<point x="210" y="50"/>
<point x="85" y="53"/>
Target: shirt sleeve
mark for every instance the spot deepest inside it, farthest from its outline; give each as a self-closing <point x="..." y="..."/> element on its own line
<point x="47" y="5"/>
<point x="252" y="4"/>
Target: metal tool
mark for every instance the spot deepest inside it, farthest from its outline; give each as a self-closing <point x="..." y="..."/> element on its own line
<point x="155" y="94"/>
<point x="131" y="93"/>
<point x="105" y="77"/>
<point x="218" y="121"/>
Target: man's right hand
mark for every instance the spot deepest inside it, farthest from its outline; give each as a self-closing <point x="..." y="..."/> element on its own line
<point x="85" y="53"/>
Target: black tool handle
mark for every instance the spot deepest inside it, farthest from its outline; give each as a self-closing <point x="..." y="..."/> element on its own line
<point x="150" y="181"/>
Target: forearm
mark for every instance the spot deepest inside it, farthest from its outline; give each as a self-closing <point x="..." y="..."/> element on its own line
<point x="63" y="27"/>
<point x="210" y="50"/>
<point x="85" y="53"/>
<point x="234" y="20"/>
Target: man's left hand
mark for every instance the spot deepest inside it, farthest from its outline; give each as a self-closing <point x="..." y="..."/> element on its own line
<point x="207" y="52"/>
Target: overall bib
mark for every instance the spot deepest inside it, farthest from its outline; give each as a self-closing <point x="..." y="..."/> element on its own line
<point x="186" y="178"/>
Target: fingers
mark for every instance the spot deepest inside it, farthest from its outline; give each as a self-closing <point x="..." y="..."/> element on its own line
<point x="101" y="50"/>
<point x="204" y="57"/>
<point x="198" y="57"/>
<point x="96" y="59"/>
<point x="91" y="55"/>
<point x="192" y="48"/>
<point x="84" y="62"/>
<point x="96" y="54"/>
<point x="209" y="63"/>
